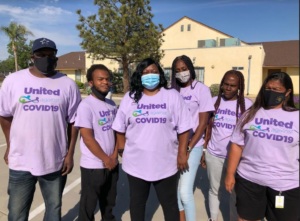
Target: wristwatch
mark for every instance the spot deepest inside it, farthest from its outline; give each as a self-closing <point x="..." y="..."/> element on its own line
<point x="189" y="149"/>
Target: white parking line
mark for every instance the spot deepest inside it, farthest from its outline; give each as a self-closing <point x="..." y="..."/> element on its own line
<point x="3" y="145"/>
<point x="41" y="208"/>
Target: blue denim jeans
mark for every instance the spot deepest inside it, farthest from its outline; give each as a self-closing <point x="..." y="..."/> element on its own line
<point x="21" y="188"/>
<point x="186" y="200"/>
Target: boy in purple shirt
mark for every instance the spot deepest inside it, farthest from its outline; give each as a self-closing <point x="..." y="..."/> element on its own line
<point x="265" y="154"/>
<point x="98" y="162"/>
<point x="37" y="109"/>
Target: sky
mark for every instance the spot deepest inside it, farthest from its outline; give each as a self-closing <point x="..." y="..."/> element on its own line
<point x="248" y="20"/>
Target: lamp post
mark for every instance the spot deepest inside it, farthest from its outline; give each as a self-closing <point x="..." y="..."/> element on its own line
<point x="249" y="66"/>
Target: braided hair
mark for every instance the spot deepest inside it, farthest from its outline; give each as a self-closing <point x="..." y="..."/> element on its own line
<point x="240" y="104"/>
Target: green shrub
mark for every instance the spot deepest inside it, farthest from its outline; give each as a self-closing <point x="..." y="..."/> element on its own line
<point x="214" y="89"/>
<point x="80" y="84"/>
<point x="117" y="82"/>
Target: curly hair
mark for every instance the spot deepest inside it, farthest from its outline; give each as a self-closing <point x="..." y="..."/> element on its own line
<point x="288" y="104"/>
<point x="174" y="83"/>
<point x="136" y="87"/>
<point x="89" y="74"/>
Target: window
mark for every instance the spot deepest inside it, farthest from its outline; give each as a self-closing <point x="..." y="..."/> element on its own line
<point x="78" y="75"/>
<point x="237" y="68"/>
<point x="168" y="75"/>
<point x="182" y="28"/>
<point x="200" y="73"/>
<point x="189" y="27"/>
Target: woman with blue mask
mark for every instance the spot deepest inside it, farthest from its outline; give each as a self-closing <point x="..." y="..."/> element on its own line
<point x="152" y="127"/>
<point x="198" y="99"/>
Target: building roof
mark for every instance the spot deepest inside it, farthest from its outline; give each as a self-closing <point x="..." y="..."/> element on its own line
<point x="281" y="53"/>
<point x="71" y="61"/>
<point x="186" y="17"/>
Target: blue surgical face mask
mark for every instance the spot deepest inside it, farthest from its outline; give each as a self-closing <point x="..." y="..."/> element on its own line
<point x="150" y="81"/>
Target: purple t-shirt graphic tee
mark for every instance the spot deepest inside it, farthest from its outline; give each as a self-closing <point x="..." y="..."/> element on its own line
<point x="270" y="154"/>
<point x="151" y="128"/>
<point x="41" y="109"/>
<point x="224" y="124"/>
<point x="198" y="100"/>
<point x="97" y="115"/>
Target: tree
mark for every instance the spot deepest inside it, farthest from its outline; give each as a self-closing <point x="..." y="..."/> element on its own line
<point x="16" y="34"/>
<point x="6" y="66"/>
<point x="122" y="31"/>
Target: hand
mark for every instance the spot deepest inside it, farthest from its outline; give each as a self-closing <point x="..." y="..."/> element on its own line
<point x="6" y="156"/>
<point x="229" y="182"/>
<point x="182" y="163"/>
<point x="68" y="165"/>
<point x="114" y="156"/>
<point x="202" y="161"/>
<point x="110" y="163"/>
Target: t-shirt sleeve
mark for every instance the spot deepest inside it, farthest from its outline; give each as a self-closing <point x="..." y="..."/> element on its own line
<point x="119" y="123"/>
<point x="238" y="136"/>
<point x="205" y="99"/>
<point x="74" y="100"/>
<point x="182" y="115"/>
<point x="5" y="100"/>
<point x="84" y="116"/>
<point x="248" y="103"/>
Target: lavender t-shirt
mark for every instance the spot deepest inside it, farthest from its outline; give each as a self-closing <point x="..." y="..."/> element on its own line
<point x="97" y="115"/>
<point x="271" y="149"/>
<point x="224" y="123"/>
<point x="41" y="108"/>
<point x="198" y="100"/>
<point x="151" y="128"/>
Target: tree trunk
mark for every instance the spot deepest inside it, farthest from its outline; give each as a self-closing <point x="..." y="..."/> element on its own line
<point x="125" y="76"/>
<point x="15" y="55"/>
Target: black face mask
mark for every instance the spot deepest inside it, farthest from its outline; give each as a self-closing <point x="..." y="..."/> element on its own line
<point x="45" y="65"/>
<point x="273" y="98"/>
<point x="100" y="95"/>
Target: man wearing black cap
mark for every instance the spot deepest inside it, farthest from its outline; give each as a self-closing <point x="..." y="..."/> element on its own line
<point x="37" y="112"/>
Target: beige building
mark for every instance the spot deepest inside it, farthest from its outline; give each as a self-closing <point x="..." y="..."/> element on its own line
<point x="214" y="52"/>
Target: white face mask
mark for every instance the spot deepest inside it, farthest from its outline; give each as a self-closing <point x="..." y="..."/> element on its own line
<point x="183" y="76"/>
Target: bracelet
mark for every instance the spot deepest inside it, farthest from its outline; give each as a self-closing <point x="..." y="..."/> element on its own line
<point x="189" y="149"/>
<point x="120" y="151"/>
<point x="204" y="149"/>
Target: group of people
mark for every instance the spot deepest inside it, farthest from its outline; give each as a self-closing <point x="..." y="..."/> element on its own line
<point x="162" y="134"/>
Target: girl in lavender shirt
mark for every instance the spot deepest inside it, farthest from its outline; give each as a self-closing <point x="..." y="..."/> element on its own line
<point x="198" y="99"/>
<point x="265" y="154"/>
<point x="152" y="126"/>
<point x="229" y="105"/>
